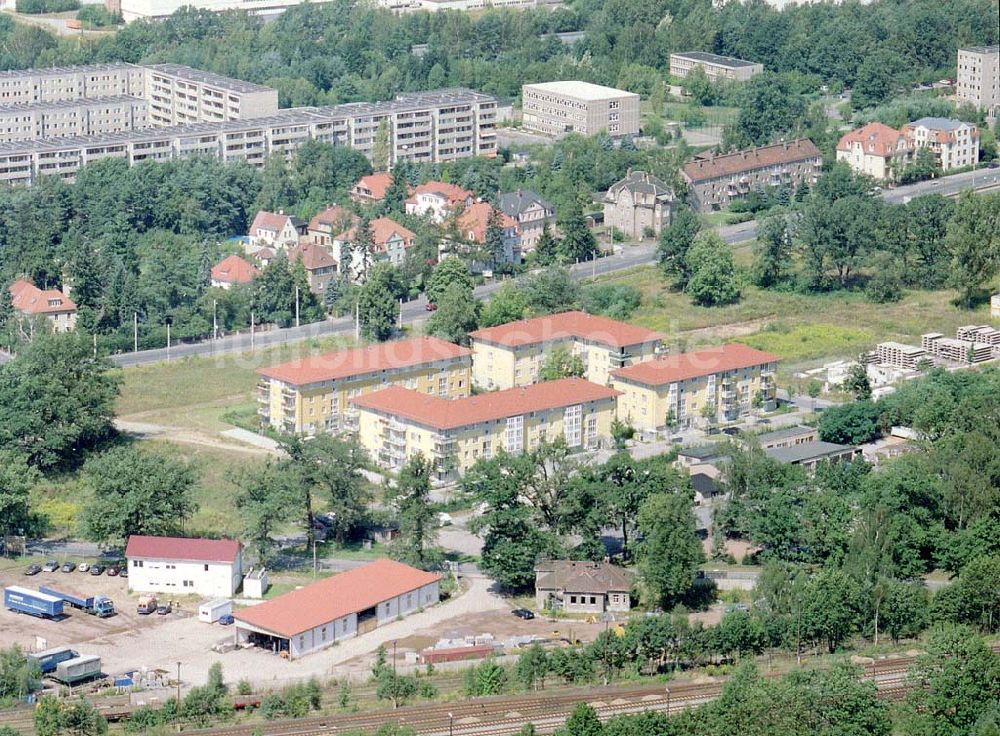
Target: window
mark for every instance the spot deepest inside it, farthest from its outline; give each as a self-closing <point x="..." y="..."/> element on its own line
<point x="515" y="433"/>
<point x="572" y="425"/>
<point x="206" y="568"/>
<point x="572" y="599"/>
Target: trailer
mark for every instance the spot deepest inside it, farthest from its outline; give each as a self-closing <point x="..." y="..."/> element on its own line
<point x="48" y="659"/>
<point x="25" y="600"/>
<point x="95" y="605"/>
<point x="212" y="611"/>
<point x="75" y="670"/>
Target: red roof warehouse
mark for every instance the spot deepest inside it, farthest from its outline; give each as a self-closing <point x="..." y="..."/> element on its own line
<point x="339" y="607"/>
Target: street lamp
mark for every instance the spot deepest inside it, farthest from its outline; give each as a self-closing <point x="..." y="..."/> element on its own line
<point x="451" y="724"/>
<point x="667" y="688"/>
<point x="178" y="687"/>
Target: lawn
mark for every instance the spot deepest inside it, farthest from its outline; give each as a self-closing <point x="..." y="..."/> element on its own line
<point x="801" y="328"/>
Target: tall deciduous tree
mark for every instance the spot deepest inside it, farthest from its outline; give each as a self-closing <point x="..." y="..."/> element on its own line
<point x="670" y="551"/>
<point x="377" y="302"/>
<point x="675" y="241"/>
<point x="772" y="251"/>
<point x="265" y="502"/>
<point x="973" y="241"/>
<point x="561" y="363"/>
<point x="450" y="271"/>
<point x="713" y="277"/>
<point x="411" y="497"/>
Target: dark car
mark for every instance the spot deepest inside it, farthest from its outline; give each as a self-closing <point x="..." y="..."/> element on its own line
<point x="50" y="566"/>
<point x="732" y="431"/>
<point x="123" y="572"/>
<point x="431" y="307"/>
<point x="113" y="571"/>
<point x="97" y="569"/>
<point x="227" y="620"/>
<point x="33" y="569"/>
<point x="993" y="165"/>
<point x="163" y="610"/>
<point x="523" y="613"/>
<point x="69" y="567"/>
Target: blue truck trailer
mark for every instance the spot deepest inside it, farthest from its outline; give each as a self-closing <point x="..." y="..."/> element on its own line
<point x="24" y="600"/>
<point x="97" y="605"/>
<point x="50" y="658"/>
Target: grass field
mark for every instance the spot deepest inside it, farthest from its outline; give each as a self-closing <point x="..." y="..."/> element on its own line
<point x="800" y="328"/>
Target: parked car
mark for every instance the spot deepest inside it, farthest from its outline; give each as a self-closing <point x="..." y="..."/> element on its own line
<point x="123" y="572"/>
<point x="97" y="569"/>
<point x="431" y="307"/>
<point x="523" y="613"/>
<point x="69" y="567"/>
<point x="33" y="569"/>
<point x="113" y="571"/>
<point x="227" y="620"/>
<point x="163" y="610"/>
<point x="50" y="566"/>
<point x="83" y="567"/>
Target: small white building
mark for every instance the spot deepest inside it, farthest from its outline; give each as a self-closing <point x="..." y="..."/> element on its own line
<point x="340" y="607"/>
<point x="211" y="568"/>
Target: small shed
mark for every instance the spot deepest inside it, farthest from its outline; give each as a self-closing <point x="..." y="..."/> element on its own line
<point x="212" y="611"/>
<point x="255" y="584"/>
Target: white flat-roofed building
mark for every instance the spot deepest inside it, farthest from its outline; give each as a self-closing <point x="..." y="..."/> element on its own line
<point x="178" y="94"/>
<point x="979" y="77"/>
<point x="558" y="108"/>
<point x="212" y="568"/>
<point x="716" y="67"/>
<point x="92" y="116"/>
<point x="54" y="84"/>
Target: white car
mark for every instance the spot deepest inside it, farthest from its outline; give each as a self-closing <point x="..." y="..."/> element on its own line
<point x="83" y="567"/>
<point x="444" y="519"/>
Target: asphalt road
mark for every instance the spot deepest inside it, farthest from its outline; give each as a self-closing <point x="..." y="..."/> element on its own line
<point x="629" y="257"/>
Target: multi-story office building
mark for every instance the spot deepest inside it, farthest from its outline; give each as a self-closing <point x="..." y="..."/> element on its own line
<point x="72" y="118"/>
<point x="716" y="67"/>
<point x="179" y="95"/>
<point x="313" y="394"/>
<point x="979" y="77"/>
<point x="424" y="127"/>
<point x="558" y="108"/>
<point x="715" y="181"/>
<point x="513" y="354"/>
<point x="397" y="423"/>
<point x="956" y="144"/>
<point x="694" y="388"/>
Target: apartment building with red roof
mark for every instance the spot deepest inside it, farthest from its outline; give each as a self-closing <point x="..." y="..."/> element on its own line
<point x="340" y="607"/>
<point x="184" y="566"/>
<point x="683" y="390"/>
<point x="313" y="394"/>
<point x="514" y="353"/>
<point x="233" y="270"/>
<point x="52" y="304"/>
<point x="875" y="150"/>
<point x="716" y="181"/>
<point x="397" y="423"/>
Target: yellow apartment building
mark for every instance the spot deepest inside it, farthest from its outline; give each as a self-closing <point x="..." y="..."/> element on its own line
<point x="695" y="388"/>
<point x="313" y="394"/>
<point x="397" y="423"/>
<point x="511" y="355"/>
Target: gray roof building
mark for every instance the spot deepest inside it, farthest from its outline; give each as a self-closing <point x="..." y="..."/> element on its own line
<point x="810" y="454"/>
<point x="582" y="587"/>
<point x="517" y="203"/>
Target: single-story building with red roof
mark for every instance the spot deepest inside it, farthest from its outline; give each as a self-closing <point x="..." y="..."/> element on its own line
<point x="184" y="566"/>
<point x="341" y="607"/>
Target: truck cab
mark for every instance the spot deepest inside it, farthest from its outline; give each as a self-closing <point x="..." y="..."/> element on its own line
<point x="103" y="607"/>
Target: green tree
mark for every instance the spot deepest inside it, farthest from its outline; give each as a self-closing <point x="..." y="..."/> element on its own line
<point x="830" y="608"/>
<point x="577" y="242"/>
<point x="561" y="363"/>
<point x="487" y="678"/>
<point x="583" y="721"/>
<point x="713" y="277"/>
<point x="547" y="248"/>
<point x="16" y="481"/>
<point x="264" y="500"/>
<point x="136" y="492"/>
<point x="380" y="149"/>
<point x="973" y="241"/>
<point x="670" y="551"/>
<point x="19" y="676"/>
<point x="877" y="79"/>
<point x="772" y="251"/>
<point x="507" y="304"/>
<point x="675" y="242"/>
<point x="456" y="315"/>
<point x="857" y="383"/>
<point x="531" y="668"/>
<point x="768" y="106"/>
<point x="449" y="272"/>
<point x="377" y="307"/>
<point x="411" y="497"/>
<point x="850" y="424"/>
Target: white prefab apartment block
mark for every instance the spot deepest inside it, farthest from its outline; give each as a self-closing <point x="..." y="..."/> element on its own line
<point x="558" y="108"/>
<point x="979" y="77"/>
<point x="180" y="566"/>
<point x="716" y="67"/>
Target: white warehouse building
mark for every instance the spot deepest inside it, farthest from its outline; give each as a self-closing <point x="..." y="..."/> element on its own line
<point x="212" y="568"/>
<point x="319" y="615"/>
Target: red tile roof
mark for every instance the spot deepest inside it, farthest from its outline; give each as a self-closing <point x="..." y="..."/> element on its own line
<point x="373" y="186"/>
<point x="566" y="325"/>
<point x="327" y="600"/>
<point x="876" y="139"/>
<point x="331" y="218"/>
<point x="432" y="411"/>
<point x="359" y="361"/>
<point x="269" y="221"/>
<point x="474" y="220"/>
<point x="683" y="366"/>
<point x="703" y="169"/>
<point x="383" y="228"/>
<point x="182" y="548"/>
<point x="29" y="299"/>
<point x="234" y="270"/>
<point x="451" y="192"/>
<point x="313" y="256"/>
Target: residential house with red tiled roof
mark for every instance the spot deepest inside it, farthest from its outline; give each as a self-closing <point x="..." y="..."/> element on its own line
<point x="340" y="607"/>
<point x="312" y="394"/>
<point x="177" y="566"/>
<point x="687" y="389"/>
<point x="514" y="353"/>
<point x="391" y="241"/>
<point x="372" y="188"/>
<point x="233" y="270"/>
<point x="319" y="263"/>
<point x="438" y="199"/>
<point x="715" y="181"/>
<point x="398" y="423"/>
<point x="275" y="230"/>
<point x="954" y="143"/>
<point x="325" y="225"/>
<point x="472" y="223"/>
<point x="54" y="305"/>
<point x="875" y="150"/>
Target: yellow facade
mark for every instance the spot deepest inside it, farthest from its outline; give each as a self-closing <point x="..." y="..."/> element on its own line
<point x="391" y="439"/>
<point x="724" y="397"/>
<point x="498" y="367"/>
<point x="325" y="406"/>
